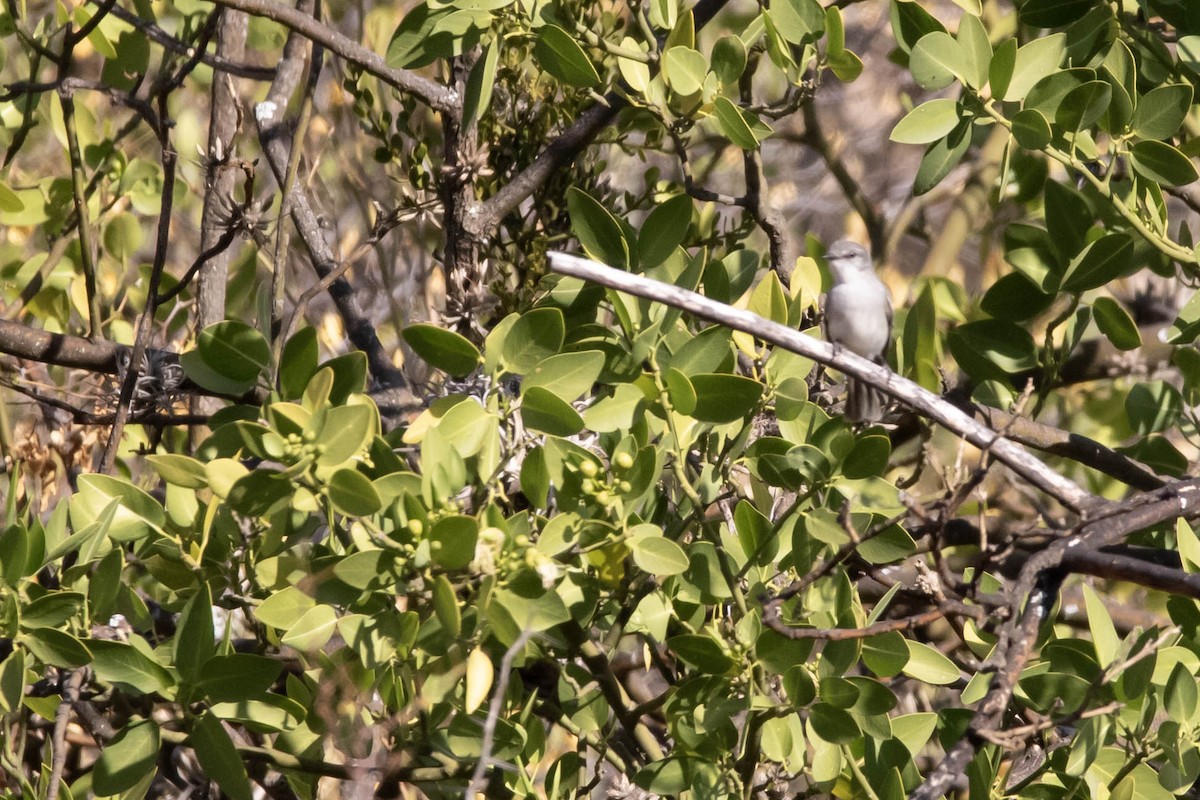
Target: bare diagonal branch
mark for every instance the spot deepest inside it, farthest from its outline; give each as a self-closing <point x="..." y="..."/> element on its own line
<point x="435" y="95"/>
<point x="925" y="402"/>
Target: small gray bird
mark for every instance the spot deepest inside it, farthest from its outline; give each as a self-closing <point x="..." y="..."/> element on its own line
<point x="858" y="317"/>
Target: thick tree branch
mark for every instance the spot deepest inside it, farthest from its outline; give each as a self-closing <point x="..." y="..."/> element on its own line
<point x="928" y="404"/>
<point x="438" y="97"/>
<point x="1058" y="442"/>
<point x="1038" y="581"/>
<point x="483" y="217"/>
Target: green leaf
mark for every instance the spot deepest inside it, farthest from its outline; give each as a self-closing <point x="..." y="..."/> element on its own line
<point x="219" y="758"/>
<point x="1187" y="49"/>
<point x="927" y="122"/>
<point x="138" y="514"/>
<point x="835" y="33"/>
<point x="976" y="50"/>
<point x="1070" y="216"/>
<point x="701" y="653"/>
<point x="283" y="608"/>
<point x="1162" y="163"/>
<point x="1103" y="260"/>
<point x="668" y="776"/>
<point x="126" y="665"/>
<point x="664" y="230"/>
<point x="270" y="713"/>
<point x="180" y="470"/>
<point x="992" y="349"/>
<point x="448" y="351"/>
<point x="941" y="157"/>
<point x="893" y="544"/>
<point x="684" y="70"/>
<point x="833" y="724"/>
<point x="1086" y="745"/>
<point x="452" y="541"/>
<point x="1054" y="13"/>
<point x="911" y="22"/>
<point x="658" y="555"/>
<point x="10" y="201"/>
<point x="195" y="639"/>
<point x="927" y="664"/>
<point x="234" y="350"/>
<point x="1104" y="633"/>
<point x="561" y="56"/>
<point x="237" y="676"/>
<point x="536" y="335"/>
<point x="704" y="352"/>
<point x="846" y="66"/>
<point x="542" y="411"/>
<point x="937" y="61"/>
<point x="566" y="375"/>
<point x="597" y="230"/>
<point x="724" y="398"/>
<point x="1161" y="111"/>
<point x="1152" y="407"/>
<point x="367" y="569"/>
<point x="1186" y="326"/>
<point x="733" y="124"/>
<point x="1047" y="95"/>
<point x="445" y="605"/>
<point x="798" y="21"/>
<point x="1179" y="695"/>
<point x="1057" y="692"/>
<point x="297" y="363"/>
<point x="51" y="610"/>
<point x="352" y="493"/>
<point x="729" y="60"/>
<point x="680" y="391"/>
<point x="1029" y="64"/>
<point x="126" y="759"/>
<point x="346" y="431"/>
<point x="12" y="681"/>
<point x="480" y="83"/>
<point x="1083" y="105"/>
<point x="1015" y="298"/>
<point x="525" y="605"/>
<point x="349" y="376"/>
<point x="312" y="630"/>
<point x="56" y="648"/>
<point x="885" y="654"/>
<point x="1116" y="324"/>
<point x="753" y="529"/>
<point x="259" y="493"/>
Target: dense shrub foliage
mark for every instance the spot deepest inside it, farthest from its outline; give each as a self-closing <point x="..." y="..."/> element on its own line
<point x="325" y="480"/>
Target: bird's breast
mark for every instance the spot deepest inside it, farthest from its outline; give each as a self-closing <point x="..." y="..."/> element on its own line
<point x="856" y="318"/>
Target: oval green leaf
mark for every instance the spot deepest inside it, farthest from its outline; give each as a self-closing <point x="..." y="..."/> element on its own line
<point x="448" y="351"/>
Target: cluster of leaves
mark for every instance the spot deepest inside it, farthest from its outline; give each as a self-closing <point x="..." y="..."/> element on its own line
<point x="1101" y="97"/>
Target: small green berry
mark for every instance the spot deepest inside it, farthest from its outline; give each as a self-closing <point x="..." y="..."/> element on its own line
<point x="623" y="461"/>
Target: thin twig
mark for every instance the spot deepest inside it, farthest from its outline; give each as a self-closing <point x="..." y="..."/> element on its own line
<point x="62" y="715"/>
<point x="495" y="707"/>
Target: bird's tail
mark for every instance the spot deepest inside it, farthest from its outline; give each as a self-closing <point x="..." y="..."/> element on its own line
<point x="864" y="403"/>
